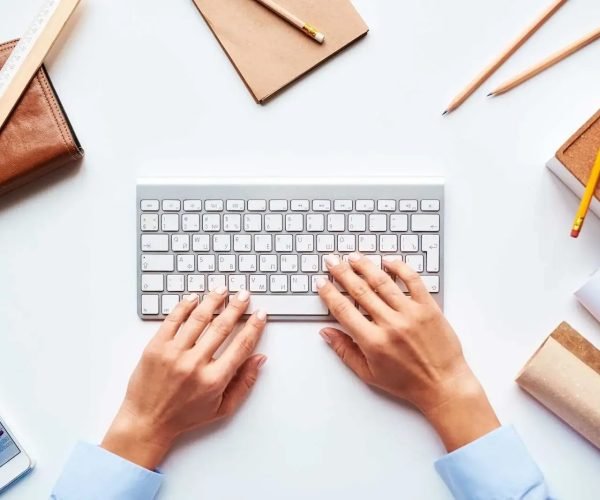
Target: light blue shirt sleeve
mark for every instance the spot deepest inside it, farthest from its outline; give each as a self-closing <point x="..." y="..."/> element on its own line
<point x="96" y="474"/>
<point x="497" y="466"/>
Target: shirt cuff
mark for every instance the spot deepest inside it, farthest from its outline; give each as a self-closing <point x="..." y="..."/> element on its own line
<point x="496" y="465"/>
<point x="94" y="473"/>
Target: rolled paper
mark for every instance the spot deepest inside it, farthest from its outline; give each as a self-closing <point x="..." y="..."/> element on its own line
<point x="564" y="375"/>
<point x="589" y="295"/>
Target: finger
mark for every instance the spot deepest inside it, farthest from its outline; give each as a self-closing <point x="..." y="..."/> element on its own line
<point x="348" y="352"/>
<point x="222" y="326"/>
<point x="242" y="346"/>
<point x="170" y="326"/>
<point x="414" y="283"/>
<point x="357" y="288"/>
<point x="344" y="311"/>
<point x="240" y="386"/>
<point x="379" y="281"/>
<point x="200" y="318"/>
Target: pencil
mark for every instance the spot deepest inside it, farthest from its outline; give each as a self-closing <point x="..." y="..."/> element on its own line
<point x="586" y="200"/>
<point x="307" y="28"/>
<point x="547" y="63"/>
<point x="516" y="45"/>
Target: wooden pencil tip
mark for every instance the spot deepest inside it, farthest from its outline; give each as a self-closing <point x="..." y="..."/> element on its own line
<point x="445" y="112"/>
<point x="491" y="94"/>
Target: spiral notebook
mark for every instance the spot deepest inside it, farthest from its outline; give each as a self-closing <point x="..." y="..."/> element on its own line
<point x="270" y="54"/>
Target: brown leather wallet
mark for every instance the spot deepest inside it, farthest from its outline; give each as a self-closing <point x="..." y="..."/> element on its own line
<point x="37" y="137"/>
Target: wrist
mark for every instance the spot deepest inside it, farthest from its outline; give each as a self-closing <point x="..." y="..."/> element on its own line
<point x="132" y="439"/>
<point x="463" y="414"/>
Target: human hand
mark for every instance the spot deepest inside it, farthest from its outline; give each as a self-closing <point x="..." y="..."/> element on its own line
<point x="178" y="385"/>
<point x="408" y="349"/>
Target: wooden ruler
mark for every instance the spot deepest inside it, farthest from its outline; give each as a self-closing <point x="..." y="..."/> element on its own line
<point x="28" y="55"/>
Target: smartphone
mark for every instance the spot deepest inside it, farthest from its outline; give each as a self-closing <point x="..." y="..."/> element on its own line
<point x="14" y="462"/>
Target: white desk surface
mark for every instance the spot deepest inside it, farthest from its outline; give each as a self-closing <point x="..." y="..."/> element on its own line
<point x="150" y="92"/>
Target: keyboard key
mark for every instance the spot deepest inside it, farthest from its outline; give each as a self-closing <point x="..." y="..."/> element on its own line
<point x="398" y="223"/>
<point x="149" y="205"/>
<point x="386" y="205"/>
<point x="273" y="223"/>
<point x="195" y="283"/>
<point x="201" y="243"/>
<point x="175" y="283"/>
<point x="430" y="205"/>
<point x="211" y="223"/>
<point x="375" y="259"/>
<point x="247" y="263"/>
<point x="278" y="283"/>
<point x="252" y="222"/>
<point x="299" y="283"/>
<point x="422" y="223"/>
<point x="149" y="222"/>
<point x="206" y="263"/>
<point x="237" y="282"/>
<point x="258" y="283"/>
<point x="192" y="205"/>
<point x="232" y="222"/>
<point x="170" y="222"/>
<point x="226" y="263"/>
<point x="309" y="264"/>
<point x="342" y="205"/>
<point x="378" y="223"/>
<point x="315" y="222"/>
<point x="409" y="243"/>
<point x="357" y="222"/>
<point x="257" y="205"/>
<point x="346" y="243"/>
<point x="300" y="205"/>
<point x="278" y="205"/>
<point x="321" y="205"/>
<point x="336" y="223"/>
<point x="408" y="205"/>
<point x="263" y="243"/>
<point x="185" y="263"/>
<point x="289" y="305"/>
<point x="388" y="243"/>
<point x="325" y="243"/>
<point x="242" y="243"/>
<point x="152" y="283"/>
<point x="283" y="243"/>
<point x="430" y="243"/>
<point x="305" y="243"/>
<point x="155" y="243"/>
<point x="313" y="282"/>
<point x="367" y="243"/>
<point x="432" y="283"/>
<point x="416" y="262"/>
<point x="215" y="281"/>
<point x="365" y="205"/>
<point x="235" y="205"/>
<point x="288" y="264"/>
<point x="294" y="222"/>
<point x="213" y="205"/>
<point x="267" y="263"/>
<point x="180" y="242"/>
<point x="171" y="205"/>
<point x="158" y="262"/>
<point x="190" y="222"/>
<point x="168" y="303"/>
<point x="221" y="243"/>
<point x="149" y="304"/>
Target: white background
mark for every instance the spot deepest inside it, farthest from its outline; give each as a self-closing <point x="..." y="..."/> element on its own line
<point x="150" y="92"/>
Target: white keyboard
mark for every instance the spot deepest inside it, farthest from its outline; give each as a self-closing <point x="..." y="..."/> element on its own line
<point x="271" y="236"/>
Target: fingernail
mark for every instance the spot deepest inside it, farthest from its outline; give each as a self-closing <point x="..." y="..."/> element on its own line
<point x="332" y="260"/>
<point x="221" y="290"/>
<point x="321" y="282"/>
<point x="192" y="297"/>
<point x="325" y="336"/>
<point x="261" y="362"/>
<point x="388" y="259"/>
<point x="243" y="295"/>
<point x="354" y="256"/>
<point x="261" y="314"/>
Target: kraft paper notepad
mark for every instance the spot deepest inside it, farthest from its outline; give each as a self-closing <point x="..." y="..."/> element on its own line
<point x="573" y="162"/>
<point x="268" y="53"/>
<point x="564" y="375"/>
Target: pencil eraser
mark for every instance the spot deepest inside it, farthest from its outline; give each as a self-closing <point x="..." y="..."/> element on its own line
<point x="320" y="37"/>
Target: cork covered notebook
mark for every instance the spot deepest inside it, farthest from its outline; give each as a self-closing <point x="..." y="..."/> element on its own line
<point x="269" y="53"/>
<point x="573" y="162"/>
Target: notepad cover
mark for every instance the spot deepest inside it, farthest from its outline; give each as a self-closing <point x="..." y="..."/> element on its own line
<point x="269" y="53"/>
<point x="37" y="137"/>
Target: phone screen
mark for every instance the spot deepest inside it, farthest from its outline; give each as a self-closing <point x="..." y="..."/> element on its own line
<point x="8" y="448"/>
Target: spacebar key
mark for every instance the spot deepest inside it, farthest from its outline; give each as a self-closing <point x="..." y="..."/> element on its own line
<point x="288" y="305"/>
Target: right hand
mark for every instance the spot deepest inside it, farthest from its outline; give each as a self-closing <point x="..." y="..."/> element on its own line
<point x="408" y="349"/>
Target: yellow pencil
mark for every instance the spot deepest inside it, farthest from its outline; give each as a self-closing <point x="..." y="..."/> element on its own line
<point x="586" y="201"/>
